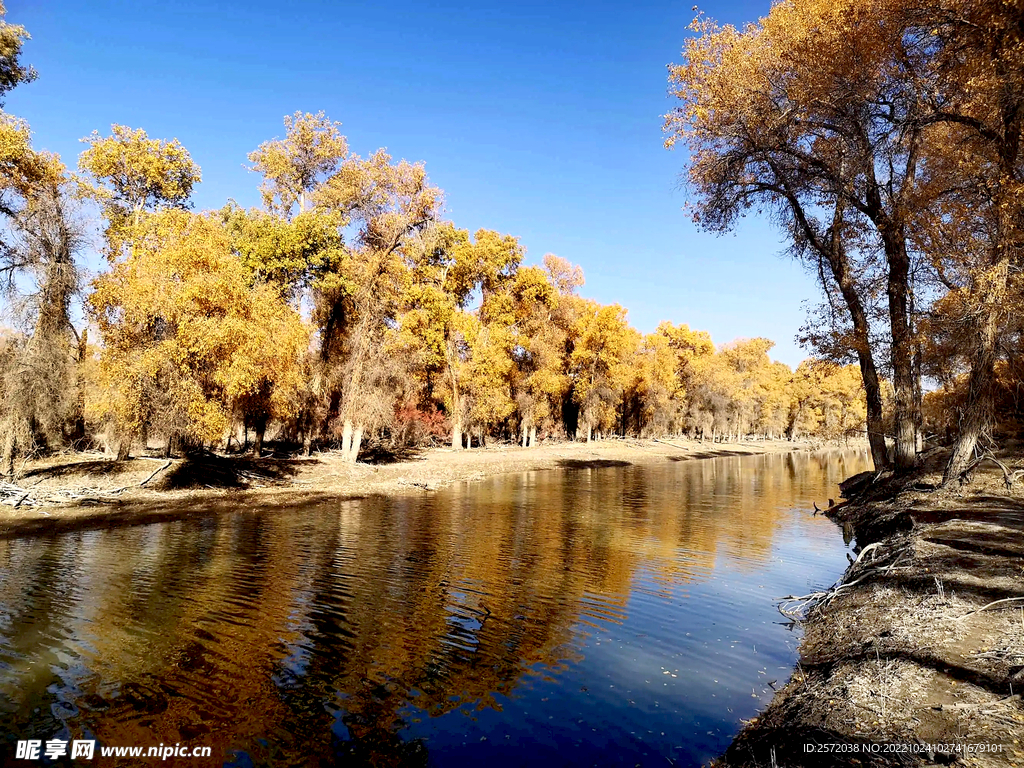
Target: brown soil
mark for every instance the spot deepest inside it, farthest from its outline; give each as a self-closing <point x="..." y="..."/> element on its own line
<point x="905" y="658"/>
<point x="89" y="490"/>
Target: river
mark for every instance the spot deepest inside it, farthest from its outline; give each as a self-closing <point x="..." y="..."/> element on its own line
<point x="609" y="616"/>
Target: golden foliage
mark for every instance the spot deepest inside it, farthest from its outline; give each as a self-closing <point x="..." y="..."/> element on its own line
<point x="131" y="173"/>
<point x="12" y="71"/>
<point x="187" y="337"/>
<point x="295" y="166"/>
<point x="199" y="314"/>
<point x="138" y="173"/>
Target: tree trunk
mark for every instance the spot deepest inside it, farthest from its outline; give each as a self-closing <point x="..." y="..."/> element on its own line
<point x="533" y="436"/>
<point x="526" y="435"/>
<point x="457" y="436"/>
<point x="10" y="449"/>
<point x="875" y="420"/>
<point x="872" y="385"/>
<point x="905" y="409"/>
<point x="123" y="449"/>
<point x="346" y="439"/>
<point x="357" y="439"/>
<point x="978" y="412"/>
<point x="261" y="430"/>
<point x="79" y="428"/>
<point x="902" y="367"/>
<point x="590" y="430"/>
<point x="833" y="250"/>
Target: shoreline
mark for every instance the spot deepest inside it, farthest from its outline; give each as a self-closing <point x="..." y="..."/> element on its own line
<point x="103" y="493"/>
<point x="909" y="662"/>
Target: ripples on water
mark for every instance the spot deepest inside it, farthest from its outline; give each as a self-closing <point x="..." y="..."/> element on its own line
<point x="590" y="616"/>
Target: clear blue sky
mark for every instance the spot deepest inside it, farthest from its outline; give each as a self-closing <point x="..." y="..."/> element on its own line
<point x="539" y="119"/>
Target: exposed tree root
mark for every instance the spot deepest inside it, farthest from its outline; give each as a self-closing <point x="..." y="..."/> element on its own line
<point x="995" y="602"/>
<point x="798" y="606"/>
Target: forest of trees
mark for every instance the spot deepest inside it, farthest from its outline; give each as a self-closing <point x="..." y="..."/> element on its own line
<point x="344" y="309"/>
<point x="884" y="137"/>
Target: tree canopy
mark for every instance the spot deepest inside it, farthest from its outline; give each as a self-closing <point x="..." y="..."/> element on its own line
<point x="882" y="137"/>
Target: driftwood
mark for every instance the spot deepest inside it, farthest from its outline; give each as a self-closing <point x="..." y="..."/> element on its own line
<point x="666" y="442"/>
<point x="856" y="485"/>
<point x="160" y="469"/>
<point x="34" y="496"/>
<point x="832" y="507"/>
<point x="16" y="496"/>
<point x="981" y="705"/>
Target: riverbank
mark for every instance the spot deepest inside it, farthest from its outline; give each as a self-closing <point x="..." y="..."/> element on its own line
<point x="919" y="658"/>
<point x="90" y="490"/>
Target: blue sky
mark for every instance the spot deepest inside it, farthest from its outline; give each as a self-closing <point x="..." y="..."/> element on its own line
<point x="539" y="119"/>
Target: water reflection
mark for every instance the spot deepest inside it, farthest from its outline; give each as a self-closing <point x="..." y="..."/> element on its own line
<point x="579" y="616"/>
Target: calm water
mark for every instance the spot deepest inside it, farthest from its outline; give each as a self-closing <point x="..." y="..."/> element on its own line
<point x="574" y="617"/>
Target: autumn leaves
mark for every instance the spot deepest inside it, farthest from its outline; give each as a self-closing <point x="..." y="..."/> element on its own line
<point x="344" y="307"/>
<point x="347" y="305"/>
<point x="885" y="138"/>
<point x="347" y="300"/>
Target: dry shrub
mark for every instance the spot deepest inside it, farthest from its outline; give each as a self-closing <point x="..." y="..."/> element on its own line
<point x="41" y="405"/>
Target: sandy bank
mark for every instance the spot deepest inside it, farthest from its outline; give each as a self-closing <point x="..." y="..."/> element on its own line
<point x="912" y="663"/>
<point x="83" y="490"/>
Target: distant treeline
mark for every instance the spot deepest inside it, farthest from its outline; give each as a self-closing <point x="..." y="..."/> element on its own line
<point x="345" y="308"/>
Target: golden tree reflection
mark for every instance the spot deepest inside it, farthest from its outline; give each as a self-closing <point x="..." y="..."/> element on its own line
<point x="313" y="630"/>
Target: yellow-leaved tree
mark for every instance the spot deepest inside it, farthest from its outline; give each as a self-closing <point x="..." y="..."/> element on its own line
<point x="39" y="278"/>
<point x="652" y="405"/>
<point x="389" y="203"/>
<point x="827" y="400"/>
<point x="131" y="174"/>
<point x="40" y="387"/>
<point x="187" y="337"/>
<point x="447" y="269"/>
<point x="795" y="115"/>
<point x="540" y="382"/>
<point x="295" y="167"/>
<point x="603" y="344"/>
